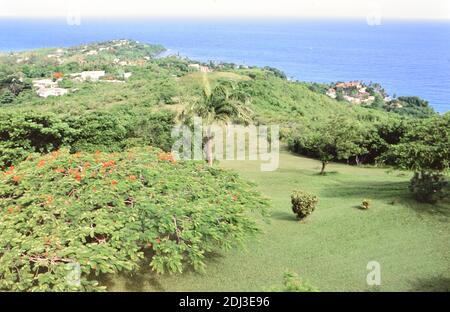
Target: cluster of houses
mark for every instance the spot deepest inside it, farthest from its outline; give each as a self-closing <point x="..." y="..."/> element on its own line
<point x="50" y="87"/>
<point x="200" y="68"/>
<point x="354" y="92"/>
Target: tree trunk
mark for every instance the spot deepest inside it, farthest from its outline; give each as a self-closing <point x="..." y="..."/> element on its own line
<point x="324" y="164"/>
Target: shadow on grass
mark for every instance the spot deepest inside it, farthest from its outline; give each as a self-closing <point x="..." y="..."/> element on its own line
<point x="145" y="279"/>
<point x="440" y="209"/>
<point x="435" y="284"/>
<point x="326" y="173"/>
<point x="394" y="193"/>
<point x="138" y="281"/>
<point x="284" y="216"/>
<point x="372" y="190"/>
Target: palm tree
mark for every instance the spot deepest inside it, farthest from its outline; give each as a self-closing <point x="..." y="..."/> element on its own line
<point x="225" y="103"/>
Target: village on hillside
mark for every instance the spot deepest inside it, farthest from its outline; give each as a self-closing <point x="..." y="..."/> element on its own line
<point x="356" y="92"/>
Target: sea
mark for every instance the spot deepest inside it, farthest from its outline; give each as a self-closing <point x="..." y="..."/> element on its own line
<point x="407" y="57"/>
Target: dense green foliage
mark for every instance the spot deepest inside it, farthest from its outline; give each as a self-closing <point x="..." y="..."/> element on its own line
<point x="11" y="85"/>
<point x="110" y="212"/>
<point x="425" y="149"/>
<point x="25" y="133"/>
<point x="22" y="133"/>
<point x="412" y="106"/>
<point x="425" y="146"/>
<point x="337" y="139"/>
<point x="303" y="203"/>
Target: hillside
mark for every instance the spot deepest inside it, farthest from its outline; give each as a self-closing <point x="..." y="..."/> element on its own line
<point x="151" y="82"/>
<point x="88" y="178"/>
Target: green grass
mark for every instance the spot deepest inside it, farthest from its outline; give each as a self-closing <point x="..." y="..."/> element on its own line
<point x="332" y="247"/>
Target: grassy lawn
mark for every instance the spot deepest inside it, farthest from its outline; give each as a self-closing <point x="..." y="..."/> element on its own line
<point x="332" y="247"/>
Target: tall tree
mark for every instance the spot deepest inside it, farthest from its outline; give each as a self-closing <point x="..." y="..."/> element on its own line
<point x="337" y="139"/>
<point x="424" y="149"/>
<point x="225" y="103"/>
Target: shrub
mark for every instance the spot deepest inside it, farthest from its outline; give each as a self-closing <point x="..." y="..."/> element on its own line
<point x="427" y="187"/>
<point x="6" y="97"/>
<point x="292" y="283"/>
<point x="98" y="130"/>
<point x="303" y="203"/>
<point x="25" y="133"/>
<point x="366" y="203"/>
<point x="112" y="212"/>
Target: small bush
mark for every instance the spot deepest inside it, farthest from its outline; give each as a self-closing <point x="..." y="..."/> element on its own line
<point x="427" y="187"/>
<point x="303" y="203"/>
<point x="366" y="204"/>
<point x="292" y="283"/>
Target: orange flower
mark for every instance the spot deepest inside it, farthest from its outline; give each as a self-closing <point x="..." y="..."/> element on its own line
<point x="41" y="164"/>
<point x="163" y="156"/>
<point x="60" y="170"/>
<point x="158" y="241"/>
<point x="49" y="199"/>
<point x="16" y="179"/>
<point x="78" y="177"/>
<point x="74" y="170"/>
<point x="107" y="164"/>
<point x="172" y="158"/>
<point x="10" y="171"/>
<point x="114" y="182"/>
<point x="11" y="210"/>
<point x="57" y="75"/>
<point x="132" y="178"/>
<point x="87" y="165"/>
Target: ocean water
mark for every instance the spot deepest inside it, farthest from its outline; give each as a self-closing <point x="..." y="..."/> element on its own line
<point x="406" y="57"/>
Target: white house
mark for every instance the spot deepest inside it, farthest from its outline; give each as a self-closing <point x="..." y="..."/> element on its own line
<point x="88" y="75"/>
<point x="46" y="92"/>
<point x="194" y="66"/>
<point x="44" y="83"/>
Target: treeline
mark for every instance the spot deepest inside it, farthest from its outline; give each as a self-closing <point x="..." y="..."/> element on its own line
<point x="419" y="145"/>
<point x="22" y="133"/>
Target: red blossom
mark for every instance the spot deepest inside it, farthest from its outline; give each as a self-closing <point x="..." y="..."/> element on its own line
<point x="107" y="164"/>
<point x="163" y="156"/>
<point x="132" y="178"/>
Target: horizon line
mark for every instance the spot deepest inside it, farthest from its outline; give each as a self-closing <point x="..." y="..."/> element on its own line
<point x="254" y="17"/>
